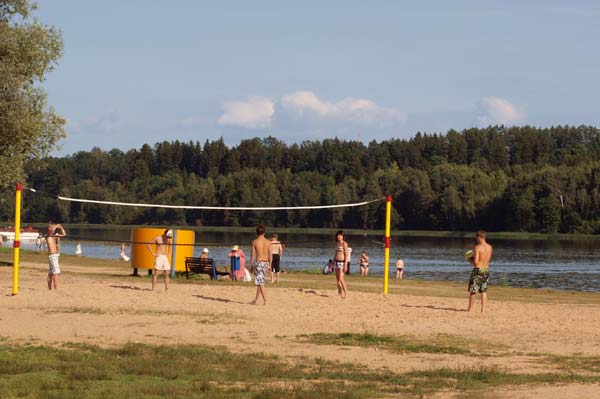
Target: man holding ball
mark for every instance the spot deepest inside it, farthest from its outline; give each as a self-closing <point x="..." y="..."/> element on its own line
<point x="480" y="258"/>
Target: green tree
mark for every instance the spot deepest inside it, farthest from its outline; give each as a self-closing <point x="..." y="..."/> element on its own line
<point x="28" y="51"/>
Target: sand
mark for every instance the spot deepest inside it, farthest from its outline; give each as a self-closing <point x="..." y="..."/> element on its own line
<point x="104" y="306"/>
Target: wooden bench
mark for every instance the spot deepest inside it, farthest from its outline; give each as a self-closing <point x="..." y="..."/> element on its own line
<point x="200" y="266"/>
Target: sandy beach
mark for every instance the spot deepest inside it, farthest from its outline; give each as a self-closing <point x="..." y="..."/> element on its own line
<point x="102" y="305"/>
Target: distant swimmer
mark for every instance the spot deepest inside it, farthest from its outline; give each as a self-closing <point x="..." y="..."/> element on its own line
<point x="259" y="258"/>
<point x="161" y="258"/>
<point x="341" y="262"/>
<point x="123" y="255"/>
<point x="78" y="250"/>
<point x="55" y="232"/>
<point x="480" y="259"/>
<point x="40" y="243"/>
<point x="276" y="255"/>
<point x="399" y="268"/>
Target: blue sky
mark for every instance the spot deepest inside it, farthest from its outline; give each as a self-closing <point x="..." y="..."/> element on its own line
<point x="136" y="72"/>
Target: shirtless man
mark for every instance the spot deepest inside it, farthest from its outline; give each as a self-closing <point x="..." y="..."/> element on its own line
<point x="399" y="268"/>
<point x="482" y="254"/>
<point x="55" y="231"/>
<point x="161" y="258"/>
<point x="341" y="263"/>
<point x="259" y="258"/>
<point x="276" y="254"/>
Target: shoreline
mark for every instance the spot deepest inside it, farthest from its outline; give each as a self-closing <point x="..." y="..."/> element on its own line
<point x="492" y="235"/>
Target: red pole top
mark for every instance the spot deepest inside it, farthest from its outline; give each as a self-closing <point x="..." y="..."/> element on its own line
<point x="388" y="198"/>
<point x="19" y="187"/>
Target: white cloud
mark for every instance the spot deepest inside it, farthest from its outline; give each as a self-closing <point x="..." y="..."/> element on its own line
<point x="255" y="113"/>
<point x="103" y="123"/>
<point x="358" y="111"/>
<point x="190" y="122"/>
<point x="497" y="111"/>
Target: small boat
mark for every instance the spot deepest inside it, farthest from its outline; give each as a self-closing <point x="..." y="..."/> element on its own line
<point x="27" y="234"/>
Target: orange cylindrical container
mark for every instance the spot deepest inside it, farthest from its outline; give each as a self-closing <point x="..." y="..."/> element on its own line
<point x="141" y="257"/>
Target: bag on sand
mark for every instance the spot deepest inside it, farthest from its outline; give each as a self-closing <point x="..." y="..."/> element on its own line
<point x="247" y="277"/>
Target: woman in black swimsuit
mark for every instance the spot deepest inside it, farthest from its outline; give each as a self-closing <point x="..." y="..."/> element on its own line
<point x="364" y="264"/>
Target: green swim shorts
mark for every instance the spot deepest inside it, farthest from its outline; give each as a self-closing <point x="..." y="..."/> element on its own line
<point x="479" y="280"/>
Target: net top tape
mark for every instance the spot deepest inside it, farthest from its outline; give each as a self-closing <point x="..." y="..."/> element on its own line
<point x="209" y="208"/>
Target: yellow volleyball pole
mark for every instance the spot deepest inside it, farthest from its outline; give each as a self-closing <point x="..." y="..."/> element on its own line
<point x="386" y="253"/>
<point x="17" y="242"/>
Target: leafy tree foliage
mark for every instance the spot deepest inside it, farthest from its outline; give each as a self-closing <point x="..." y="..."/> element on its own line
<point x="497" y="178"/>
<point x="28" y="51"/>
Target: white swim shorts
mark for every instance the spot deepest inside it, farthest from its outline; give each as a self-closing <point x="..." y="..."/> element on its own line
<point x="161" y="262"/>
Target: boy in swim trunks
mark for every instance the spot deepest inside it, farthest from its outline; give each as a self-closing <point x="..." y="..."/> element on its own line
<point x="161" y="258"/>
<point x="259" y="258"/>
<point x="55" y="231"/>
<point x="276" y="254"/>
<point x="482" y="255"/>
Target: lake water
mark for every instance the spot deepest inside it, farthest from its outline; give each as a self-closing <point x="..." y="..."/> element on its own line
<point x="566" y="265"/>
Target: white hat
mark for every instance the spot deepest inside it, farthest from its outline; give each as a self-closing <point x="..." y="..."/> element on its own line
<point x="169" y="233"/>
<point x="235" y="248"/>
<point x="205" y="250"/>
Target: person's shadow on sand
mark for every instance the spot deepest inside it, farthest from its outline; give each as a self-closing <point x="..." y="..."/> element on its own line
<point x="312" y="292"/>
<point x="211" y="298"/>
<point x="433" y="307"/>
<point x="130" y="287"/>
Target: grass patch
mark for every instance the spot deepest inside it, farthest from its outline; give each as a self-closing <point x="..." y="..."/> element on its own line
<point x="145" y="371"/>
<point x="401" y="344"/>
<point x="581" y="363"/>
<point x="476" y="379"/>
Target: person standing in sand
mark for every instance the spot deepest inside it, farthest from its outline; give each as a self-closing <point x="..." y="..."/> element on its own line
<point x="348" y="260"/>
<point x="276" y="255"/>
<point x="55" y="231"/>
<point x="161" y="258"/>
<point x="341" y="263"/>
<point x="482" y="255"/>
<point x="259" y="258"/>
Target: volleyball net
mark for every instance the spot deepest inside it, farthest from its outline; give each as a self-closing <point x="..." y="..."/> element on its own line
<point x="19" y="198"/>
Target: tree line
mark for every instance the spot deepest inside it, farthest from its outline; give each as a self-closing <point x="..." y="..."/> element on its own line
<point x="496" y="178"/>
